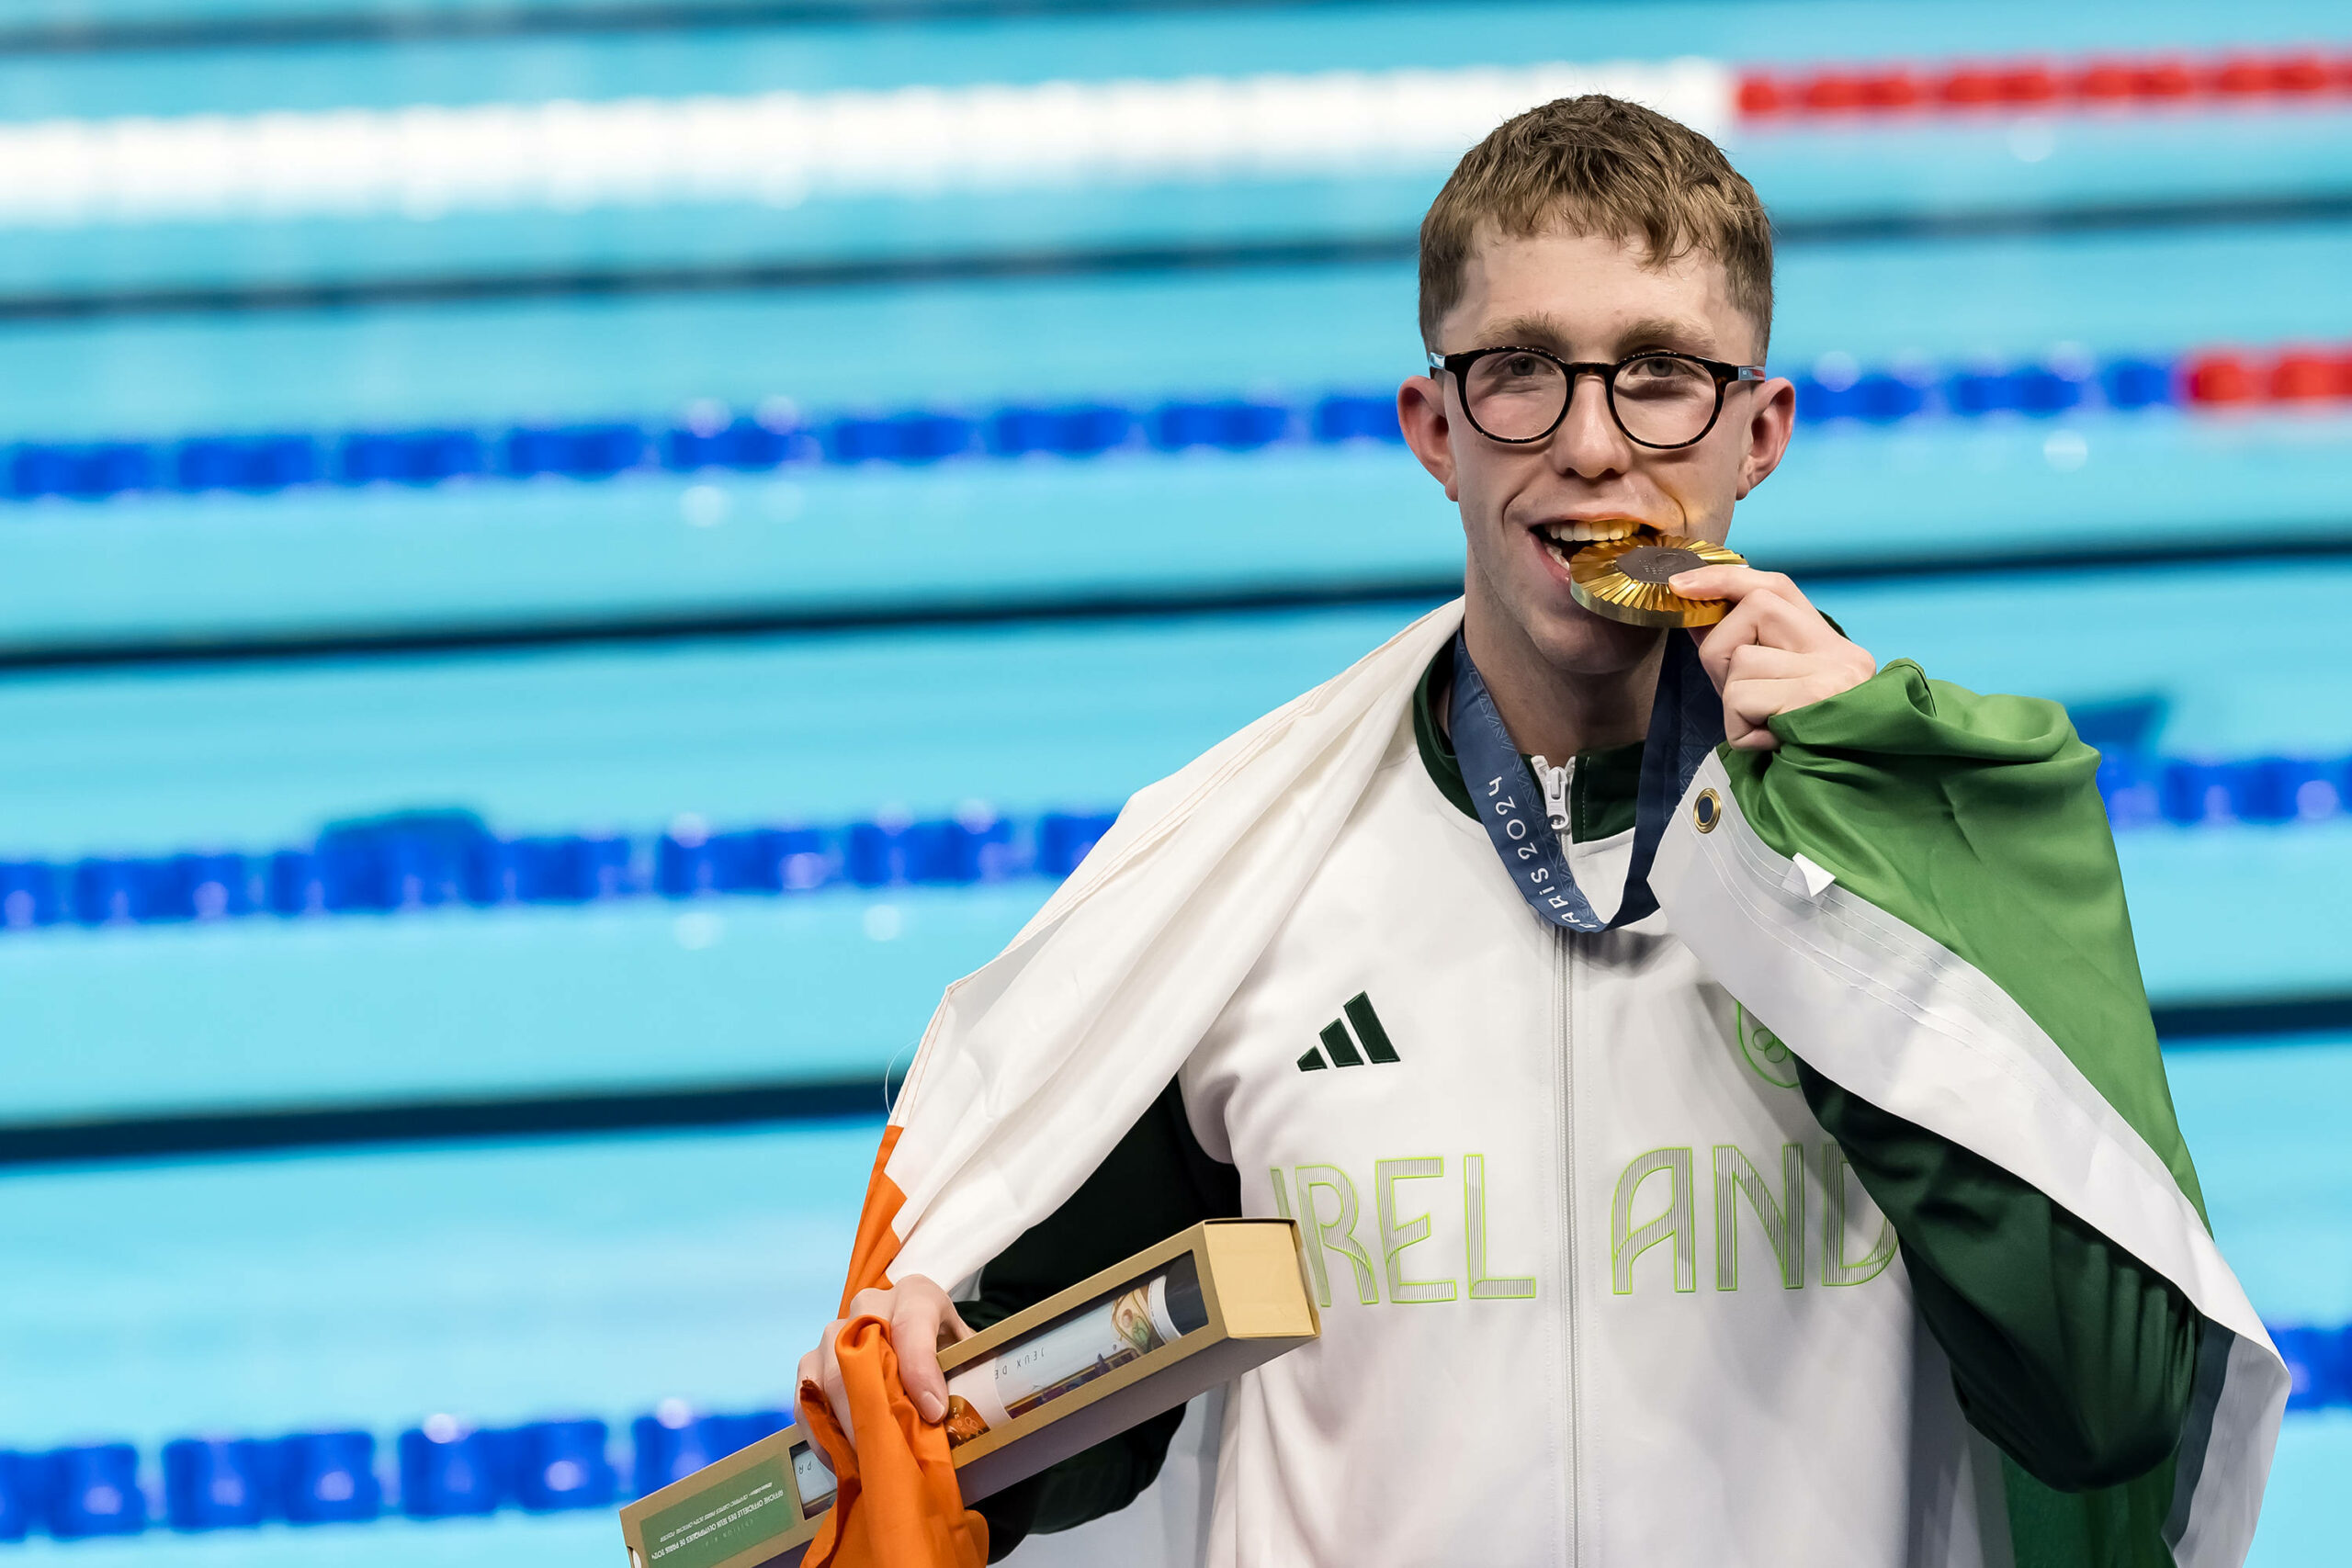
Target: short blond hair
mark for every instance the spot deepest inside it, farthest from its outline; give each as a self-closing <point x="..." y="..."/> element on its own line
<point x="1599" y="165"/>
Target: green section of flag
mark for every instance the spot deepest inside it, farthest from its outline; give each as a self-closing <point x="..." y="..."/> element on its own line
<point x="1977" y="821"/>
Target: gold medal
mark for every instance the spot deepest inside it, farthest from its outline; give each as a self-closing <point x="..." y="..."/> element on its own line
<point x="1624" y="580"/>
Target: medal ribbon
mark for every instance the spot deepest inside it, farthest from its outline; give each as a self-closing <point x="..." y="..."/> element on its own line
<point x="1686" y="723"/>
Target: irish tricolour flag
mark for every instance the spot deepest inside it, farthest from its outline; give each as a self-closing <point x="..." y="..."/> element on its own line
<point x="1918" y="890"/>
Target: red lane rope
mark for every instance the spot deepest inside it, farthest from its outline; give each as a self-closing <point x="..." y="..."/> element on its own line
<point x="2299" y="374"/>
<point x="2309" y="75"/>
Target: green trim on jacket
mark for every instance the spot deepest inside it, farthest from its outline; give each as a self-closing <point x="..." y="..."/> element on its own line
<point x="1602" y="788"/>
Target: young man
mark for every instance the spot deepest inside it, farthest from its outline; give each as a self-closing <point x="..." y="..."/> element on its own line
<point x="1773" y="1166"/>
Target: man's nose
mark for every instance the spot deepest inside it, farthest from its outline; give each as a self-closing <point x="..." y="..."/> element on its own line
<point x="1588" y="442"/>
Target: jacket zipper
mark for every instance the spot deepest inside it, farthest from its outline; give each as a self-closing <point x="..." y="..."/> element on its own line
<point x="1556" y="783"/>
<point x="1563" y="964"/>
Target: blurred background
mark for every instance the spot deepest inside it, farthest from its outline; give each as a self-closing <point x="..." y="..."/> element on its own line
<point x="564" y="564"/>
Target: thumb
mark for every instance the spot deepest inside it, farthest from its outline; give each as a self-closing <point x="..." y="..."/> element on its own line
<point x="925" y="1383"/>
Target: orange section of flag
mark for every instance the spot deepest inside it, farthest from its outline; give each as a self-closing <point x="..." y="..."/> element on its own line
<point x="897" y="1505"/>
<point x="876" y="1246"/>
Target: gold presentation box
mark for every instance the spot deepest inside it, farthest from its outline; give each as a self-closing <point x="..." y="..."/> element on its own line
<point x="1198" y="1310"/>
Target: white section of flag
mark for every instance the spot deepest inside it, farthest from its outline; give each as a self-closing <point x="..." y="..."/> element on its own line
<point x="782" y="148"/>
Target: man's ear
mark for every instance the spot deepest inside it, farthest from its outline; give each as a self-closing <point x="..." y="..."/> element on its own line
<point x="1420" y="413"/>
<point x="1769" y="425"/>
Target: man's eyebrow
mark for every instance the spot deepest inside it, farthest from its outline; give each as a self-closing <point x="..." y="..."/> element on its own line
<point x="1525" y="332"/>
<point x="1681" y="334"/>
<point x="1669" y="333"/>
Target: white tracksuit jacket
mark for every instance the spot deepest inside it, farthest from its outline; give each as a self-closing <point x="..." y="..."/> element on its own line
<point x="1597" y="1287"/>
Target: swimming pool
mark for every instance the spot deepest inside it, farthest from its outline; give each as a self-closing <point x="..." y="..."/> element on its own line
<point x="839" y="639"/>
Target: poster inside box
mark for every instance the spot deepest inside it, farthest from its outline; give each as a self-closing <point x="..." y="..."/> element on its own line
<point x="1197" y="1310"/>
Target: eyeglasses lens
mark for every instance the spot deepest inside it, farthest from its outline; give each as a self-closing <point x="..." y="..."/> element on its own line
<point x="1662" y="400"/>
<point x="1665" y="400"/>
<point x="1516" y="397"/>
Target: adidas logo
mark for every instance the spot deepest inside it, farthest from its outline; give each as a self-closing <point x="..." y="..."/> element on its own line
<point x="1337" y="1041"/>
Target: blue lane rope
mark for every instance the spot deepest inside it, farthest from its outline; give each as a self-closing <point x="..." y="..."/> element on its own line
<point x="443" y="1468"/>
<point x="1834" y="388"/>
<point x="433" y="859"/>
<point x="450" y="1468"/>
<point x="419" y="861"/>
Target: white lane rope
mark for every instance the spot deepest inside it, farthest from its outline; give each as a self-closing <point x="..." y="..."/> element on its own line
<point x="784" y="148"/>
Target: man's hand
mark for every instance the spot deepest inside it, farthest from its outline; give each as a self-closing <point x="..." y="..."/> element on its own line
<point x="923" y="1322"/>
<point x="1772" y="653"/>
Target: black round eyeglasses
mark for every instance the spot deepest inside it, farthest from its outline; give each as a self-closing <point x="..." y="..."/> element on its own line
<point x="1660" y="399"/>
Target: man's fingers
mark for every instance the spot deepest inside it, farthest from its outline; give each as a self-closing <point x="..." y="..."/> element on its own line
<point x="1771" y="653"/>
<point x="1779" y="622"/>
<point x="1750" y="704"/>
<point x="1738" y="584"/>
<point x="1765" y="621"/>
<point x="810" y="1383"/>
<point x="1755" y="701"/>
<point x="1761" y="662"/>
<point x="1741" y="628"/>
<point x="953" y="1329"/>
<point x="1745" y="734"/>
<point x="920" y="1319"/>
<point x="828" y="1377"/>
<point x="914" y="1335"/>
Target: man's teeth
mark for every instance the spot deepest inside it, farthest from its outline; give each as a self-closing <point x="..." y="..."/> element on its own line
<point x="1590" y="533"/>
<point x="1564" y="540"/>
